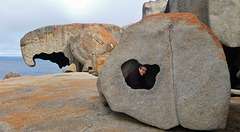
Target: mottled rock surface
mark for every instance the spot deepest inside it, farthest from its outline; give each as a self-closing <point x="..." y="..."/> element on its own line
<point x="11" y="74"/>
<point x="192" y="88"/>
<point x="92" y="44"/>
<point x="52" y="43"/>
<point x="225" y="21"/>
<point x="70" y="102"/>
<point x="222" y="16"/>
<point x="197" y="7"/>
<point x="152" y="7"/>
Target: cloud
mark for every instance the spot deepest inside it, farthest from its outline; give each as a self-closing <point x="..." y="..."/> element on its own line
<point x="19" y="17"/>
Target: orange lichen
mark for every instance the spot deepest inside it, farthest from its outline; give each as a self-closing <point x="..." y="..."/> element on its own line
<point x="101" y="62"/>
<point x="75" y="28"/>
<point x="94" y="97"/>
<point x="219" y="48"/>
<point x="8" y="92"/>
<point x="103" y="34"/>
<point x="187" y="19"/>
<point x="80" y="112"/>
<point x="22" y="109"/>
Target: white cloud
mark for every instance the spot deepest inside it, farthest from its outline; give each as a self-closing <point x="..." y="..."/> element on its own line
<point x="18" y="17"/>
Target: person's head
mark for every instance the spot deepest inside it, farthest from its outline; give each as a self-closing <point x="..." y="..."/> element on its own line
<point x="142" y="70"/>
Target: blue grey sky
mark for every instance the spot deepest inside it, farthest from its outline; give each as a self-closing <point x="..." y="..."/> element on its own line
<point x="18" y="17"/>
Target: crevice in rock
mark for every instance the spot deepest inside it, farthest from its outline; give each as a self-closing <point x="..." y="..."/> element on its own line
<point x="167" y="10"/>
<point x="170" y="31"/>
<point x="233" y="61"/>
<point x="150" y="77"/>
<point x="58" y="58"/>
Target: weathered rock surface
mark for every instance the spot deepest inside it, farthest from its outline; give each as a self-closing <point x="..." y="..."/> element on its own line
<point x="92" y="44"/>
<point x="59" y="102"/>
<point x="71" y="68"/>
<point x="222" y="16"/>
<point x="52" y="43"/>
<point x="11" y="74"/>
<point x="192" y="88"/>
<point x="225" y="21"/>
<point x="152" y="7"/>
<point x="70" y="102"/>
<point x="198" y="7"/>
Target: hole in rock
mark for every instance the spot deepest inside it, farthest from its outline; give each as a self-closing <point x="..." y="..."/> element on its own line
<point x="90" y="68"/>
<point x="58" y="58"/>
<point x="233" y="61"/>
<point x="131" y="71"/>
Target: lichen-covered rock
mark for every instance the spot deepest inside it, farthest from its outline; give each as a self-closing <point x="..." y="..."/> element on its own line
<point x="48" y="42"/>
<point x="192" y="88"/>
<point x="222" y="16"/>
<point x="152" y="7"/>
<point x="198" y="7"/>
<point x="11" y="74"/>
<point x="69" y="102"/>
<point x="93" y="42"/>
<point x="71" y="68"/>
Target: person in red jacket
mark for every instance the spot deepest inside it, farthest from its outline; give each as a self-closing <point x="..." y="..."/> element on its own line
<point x="135" y="79"/>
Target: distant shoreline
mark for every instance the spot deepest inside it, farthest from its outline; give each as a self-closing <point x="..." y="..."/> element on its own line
<point x="17" y="64"/>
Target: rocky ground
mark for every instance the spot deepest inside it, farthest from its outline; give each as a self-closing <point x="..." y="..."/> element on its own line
<point x="69" y="102"/>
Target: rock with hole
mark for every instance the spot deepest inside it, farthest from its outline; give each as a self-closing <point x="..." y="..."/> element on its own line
<point x="191" y="89"/>
<point x="53" y="43"/>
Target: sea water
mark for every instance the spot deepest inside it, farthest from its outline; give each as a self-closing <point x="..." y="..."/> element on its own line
<point x="17" y="64"/>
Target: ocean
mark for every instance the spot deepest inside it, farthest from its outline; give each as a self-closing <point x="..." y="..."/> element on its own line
<point x="17" y="64"/>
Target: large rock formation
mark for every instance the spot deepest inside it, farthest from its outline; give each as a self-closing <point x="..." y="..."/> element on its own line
<point x="198" y="7"/>
<point x="192" y="88"/>
<point x="222" y="16"/>
<point x="93" y="43"/>
<point x="52" y="43"/>
<point x="69" y="102"/>
<point x="153" y="7"/>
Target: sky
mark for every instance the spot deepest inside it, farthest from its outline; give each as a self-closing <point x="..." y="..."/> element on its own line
<point x="18" y="17"/>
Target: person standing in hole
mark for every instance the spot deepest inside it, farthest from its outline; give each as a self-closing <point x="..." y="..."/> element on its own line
<point x="135" y="79"/>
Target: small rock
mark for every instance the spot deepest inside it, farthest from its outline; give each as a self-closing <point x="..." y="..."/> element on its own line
<point x="11" y="74"/>
<point x="71" y="68"/>
<point x="91" y="71"/>
<point x="153" y="7"/>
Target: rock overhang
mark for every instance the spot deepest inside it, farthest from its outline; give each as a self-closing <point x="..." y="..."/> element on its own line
<point x="51" y="40"/>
